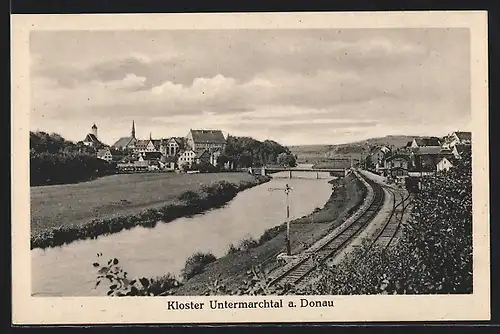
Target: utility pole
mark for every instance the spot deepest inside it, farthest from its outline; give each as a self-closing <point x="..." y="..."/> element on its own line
<point x="287" y="190"/>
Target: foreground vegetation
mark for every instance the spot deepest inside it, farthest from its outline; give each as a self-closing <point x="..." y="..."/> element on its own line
<point x="189" y="202"/>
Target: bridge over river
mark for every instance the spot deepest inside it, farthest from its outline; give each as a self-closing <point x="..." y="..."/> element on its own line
<point x="338" y="172"/>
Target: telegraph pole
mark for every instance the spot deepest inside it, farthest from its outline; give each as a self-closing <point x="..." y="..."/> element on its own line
<point x="287" y="190"/>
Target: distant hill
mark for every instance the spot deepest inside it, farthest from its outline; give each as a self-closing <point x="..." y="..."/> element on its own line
<point x="354" y="150"/>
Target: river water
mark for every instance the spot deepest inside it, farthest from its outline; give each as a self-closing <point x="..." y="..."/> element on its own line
<point x="149" y="252"/>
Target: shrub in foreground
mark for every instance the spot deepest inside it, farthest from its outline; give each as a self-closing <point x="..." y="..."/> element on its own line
<point x="196" y="263"/>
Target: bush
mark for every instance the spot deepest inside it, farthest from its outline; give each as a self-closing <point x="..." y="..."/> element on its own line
<point x="189" y="197"/>
<point x="232" y="249"/>
<point x="196" y="263"/>
<point x="247" y="244"/>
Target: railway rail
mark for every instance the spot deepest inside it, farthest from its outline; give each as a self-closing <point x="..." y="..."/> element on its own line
<point x="386" y="235"/>
<point x="302" y="268"/>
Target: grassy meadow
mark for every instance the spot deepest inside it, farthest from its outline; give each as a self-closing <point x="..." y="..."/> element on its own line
<point x="124" y="194"/>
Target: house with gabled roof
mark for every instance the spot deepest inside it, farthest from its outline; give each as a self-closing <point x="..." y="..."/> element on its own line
<point x="186" y="158"/>
<point x="446" y="163"/>
<point x="104" y="154"/>
<point x="425" y="159"/>
<point x="168" y="162"/>
<point x="397" y="165"/>
<point x="457" y="138"/>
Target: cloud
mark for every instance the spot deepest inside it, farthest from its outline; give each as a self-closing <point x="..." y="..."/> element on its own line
<point x="325" y="83"/>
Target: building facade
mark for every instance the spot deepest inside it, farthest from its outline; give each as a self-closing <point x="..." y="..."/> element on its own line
<point x="211" y="140"/>
<point x="186" y="158"/>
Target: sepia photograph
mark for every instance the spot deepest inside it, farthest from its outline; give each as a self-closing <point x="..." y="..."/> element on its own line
<point x="280" y="167"/>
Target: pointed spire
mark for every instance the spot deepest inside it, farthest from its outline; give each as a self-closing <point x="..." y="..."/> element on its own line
<point x="133" y="129"/>
<point x="150" y="137"/>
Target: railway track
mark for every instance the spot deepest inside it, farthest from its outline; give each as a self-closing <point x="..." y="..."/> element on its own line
<point x="385" y="236"/>
<point x="307" y="264"/>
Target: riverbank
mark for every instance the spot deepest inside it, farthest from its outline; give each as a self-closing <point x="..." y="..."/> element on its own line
<point x="230" y="270"/>
<point x="62" y="214"/>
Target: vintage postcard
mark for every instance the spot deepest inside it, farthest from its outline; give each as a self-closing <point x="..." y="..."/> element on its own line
<point x="271" y="167"/>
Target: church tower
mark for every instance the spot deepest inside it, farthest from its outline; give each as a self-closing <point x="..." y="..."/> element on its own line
<point x="94" y="130"/>
<point x="133" y="129"/>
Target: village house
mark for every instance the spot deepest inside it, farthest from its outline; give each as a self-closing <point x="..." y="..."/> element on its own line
<point x="126" y="143"/>
<point x="425" y="159"/>
<point x="105" y="154"/>
<point x="445" y="164"/>
<point x="377" y="156"/>
<point x="379" y="153"/>
<point x="186" y="158"/>
<point x="457" y="138"/>
<point x="211" y="140"/>
<point x="168" y="162"/>
<point x="91" y="138"/>
<point x="397" y="165"/>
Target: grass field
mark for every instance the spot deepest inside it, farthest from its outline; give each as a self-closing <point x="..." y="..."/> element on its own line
<point x="75" y="204"/>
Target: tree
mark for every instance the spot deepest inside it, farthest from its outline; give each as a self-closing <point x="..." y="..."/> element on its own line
<point x="249" y="152"/>
<point x="369" y="162"/>
<point x="54" y="160"/>
<point x="286" y="159"/>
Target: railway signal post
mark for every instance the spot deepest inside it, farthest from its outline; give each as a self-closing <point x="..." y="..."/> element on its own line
<point x="287" y="190"/>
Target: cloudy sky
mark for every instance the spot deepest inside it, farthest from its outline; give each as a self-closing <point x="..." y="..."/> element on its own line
<point x="319" y="86"/>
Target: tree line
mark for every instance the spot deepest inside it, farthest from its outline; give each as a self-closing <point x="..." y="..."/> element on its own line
<point x="244" y="152"/>
<point x="55" y="160"/>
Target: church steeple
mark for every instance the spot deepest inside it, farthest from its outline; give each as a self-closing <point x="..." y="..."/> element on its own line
<point x="133" y="129"/>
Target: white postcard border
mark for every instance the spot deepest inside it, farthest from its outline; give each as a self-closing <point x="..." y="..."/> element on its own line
<point x="100" y="310"/>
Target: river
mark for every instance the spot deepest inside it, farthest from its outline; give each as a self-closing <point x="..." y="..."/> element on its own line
<point x="149" y="252"/>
